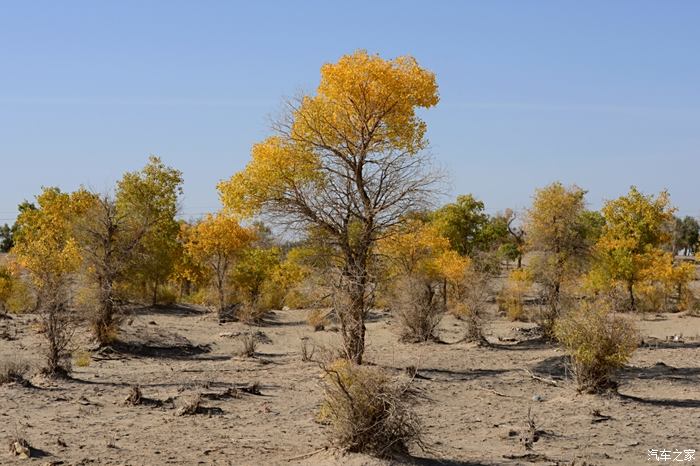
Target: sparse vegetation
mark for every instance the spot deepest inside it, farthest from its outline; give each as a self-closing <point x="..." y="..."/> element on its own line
<point x="308" y="349"/>
<point x="368" y="411"/>
<point x="599" y="343"/>
<point x="13" y="371"/>
<point x="82" y="358"/>
<point x="248" y="344"/>
<point x="334" y="227"/>
<point x="420" y="308"/>
<point x="317" y="319"/>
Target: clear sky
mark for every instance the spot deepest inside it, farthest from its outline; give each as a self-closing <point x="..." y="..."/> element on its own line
<point x="603" y="94"/>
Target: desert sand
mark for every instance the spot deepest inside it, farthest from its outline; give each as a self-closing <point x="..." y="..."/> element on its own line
<point x="474" y="403"/>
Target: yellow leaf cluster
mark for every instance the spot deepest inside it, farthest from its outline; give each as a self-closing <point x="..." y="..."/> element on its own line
<point x="363" y="105"/>
<point x="419" y="248"/>
<point x="276" y="169"/>
<point x="363" y="91"/>
<point x="45" y="246"/>
<point x="217" y="238"/>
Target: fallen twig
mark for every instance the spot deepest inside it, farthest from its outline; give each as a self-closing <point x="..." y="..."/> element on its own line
<point x="307" y="455"/>
<point x="542" y="379"/>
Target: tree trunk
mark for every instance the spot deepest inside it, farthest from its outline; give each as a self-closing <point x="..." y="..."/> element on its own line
<point x="352" y="318"/>
<point x="630" y="289"/>
<point x="222" y="300"/>
<point x="104" y="321"/>
<point x="155" y="293"/>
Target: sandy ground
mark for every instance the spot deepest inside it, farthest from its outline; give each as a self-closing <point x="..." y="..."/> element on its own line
<point x="476" y="400"/>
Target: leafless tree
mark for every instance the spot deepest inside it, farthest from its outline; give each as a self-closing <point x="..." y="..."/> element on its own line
<point x="57" y="322"/>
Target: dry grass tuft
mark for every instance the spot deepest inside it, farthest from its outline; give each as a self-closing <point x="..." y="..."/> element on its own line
<point x="82" y="358"/>
<point x="135" y="396"/>
<point x="368" y="411"/>
<point x="308" y="348"/>
<point x="13" y="371"/>
<point x="19" y="447"/>
<point x="191" y="406"/>
<point x="248" y="344"/>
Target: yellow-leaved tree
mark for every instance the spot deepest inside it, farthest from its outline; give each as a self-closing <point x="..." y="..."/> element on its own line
<point x="215" y="243"/>
<point x="46" y="249"/>
<point x="7" y="283"/>
<point x="630" y="246"/>
<point x="150" y="197"/>
<point x="559" y="242"/>
<point x="348" y="160"/>
<point x="421" y="263"/>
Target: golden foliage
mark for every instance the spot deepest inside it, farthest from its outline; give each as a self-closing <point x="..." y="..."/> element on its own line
<point x="511" y="300"/>
<point x="363" y="103"/>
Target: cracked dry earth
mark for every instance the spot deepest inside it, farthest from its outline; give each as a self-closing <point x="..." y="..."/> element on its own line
<point x="262" y="410"/>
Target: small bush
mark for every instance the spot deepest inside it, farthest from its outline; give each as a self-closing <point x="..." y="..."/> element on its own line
<point x="511" y="300"/>
<point x="251" y="313"/>
<point x="19" y="447"/>
<point x="21" y="299"/>
<point x="472" y="297"/>
<point x="13" y="371"/>
<point x="420" y="308"/>
<point x="308" y="348"/>
<point x="599" y="343"/>
<point x="82" y="358"/>
<point x="368" y="411"/>
<point x="248" y="345"/>
<point x="317" y="319"/>
<point x="190" y="406"/>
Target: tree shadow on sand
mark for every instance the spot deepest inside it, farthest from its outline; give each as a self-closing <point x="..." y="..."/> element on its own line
<point x="524" y="345"/>
<point x="664" y="402"/>
<point x="181" y="310"/>
<point x="164" y="351"/>
<point x="555" y="367"/>
<point x="662" y="371"/>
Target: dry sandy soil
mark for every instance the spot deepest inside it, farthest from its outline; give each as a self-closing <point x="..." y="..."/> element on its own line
<point x="476" y="400"/>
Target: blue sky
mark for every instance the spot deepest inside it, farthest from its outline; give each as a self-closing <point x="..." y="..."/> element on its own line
<point x="603" y="94"/>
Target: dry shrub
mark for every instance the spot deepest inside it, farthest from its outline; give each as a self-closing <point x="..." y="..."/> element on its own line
<point x="472" y="296"/>
<point x="191" y="406"/>
<point x="368" y="411"/>
<point x="13" y="371"/>
<point x="308" y="348"/>
<point x="511" y="300"/>
<point x="19" y="447"/>
<point x="420" y="308"/>
<point x="251" y="312"/>
<point x="693" y="305"/>
<point x="135" y="396"/>
<point x="549" y="309"/>
<point x="248" y="344"/>
<point x="317" y="319"/>
<point x="599" y="343"/>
